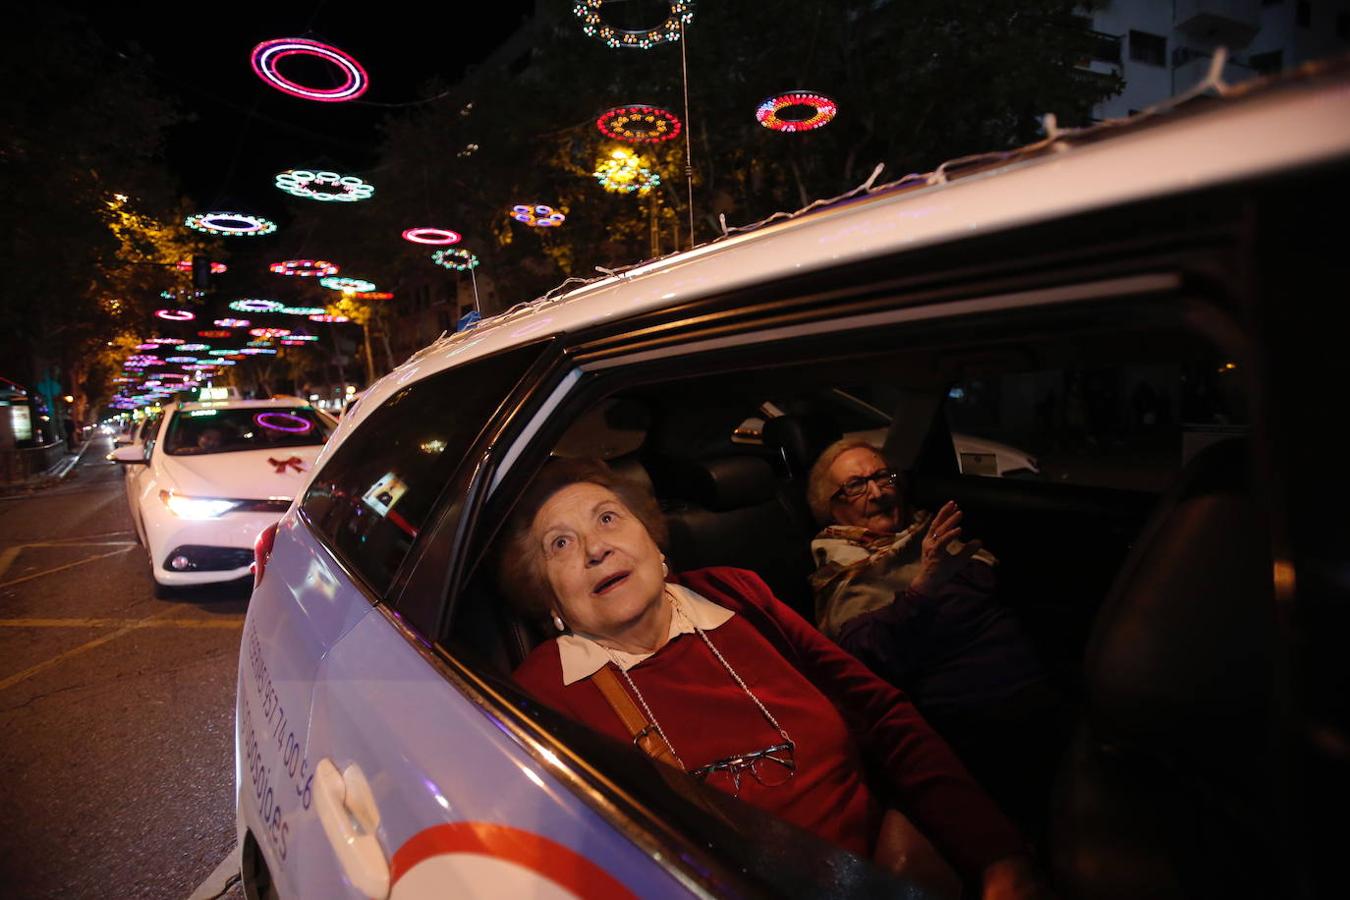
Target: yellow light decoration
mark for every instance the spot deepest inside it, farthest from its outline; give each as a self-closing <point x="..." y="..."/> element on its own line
<point x="625" y="173"/>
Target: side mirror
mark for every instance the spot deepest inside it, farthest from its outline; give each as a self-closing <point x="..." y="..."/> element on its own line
<point x="121" y="440"/>
<point x="130" y="455"/>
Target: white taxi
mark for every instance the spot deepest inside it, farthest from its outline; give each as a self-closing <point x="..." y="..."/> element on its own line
<point x="214" y="475"/>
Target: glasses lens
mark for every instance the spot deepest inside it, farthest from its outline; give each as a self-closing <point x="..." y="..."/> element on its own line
<point x="773" y="769"/>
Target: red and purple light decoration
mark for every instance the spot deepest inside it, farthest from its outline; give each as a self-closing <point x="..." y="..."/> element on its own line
<point x="280" y="421"/>
<point x="538" y="216"/>
<point x="233" y="323"/>
<point x="639" y="124"/>
<point x="435" y="236"/>
<point x="304" y="268"/>
<point x="371" y="295"/>
<point x="328" y="318"/>
<point x="821" y="110"/>
<point x="217" y="268"/>
<point x="269" y="332"/>
<point x="176" y="315"/>
<point x="213" y="334"/>
<point x="166" y="340"/>
<point x="268" y="54"/>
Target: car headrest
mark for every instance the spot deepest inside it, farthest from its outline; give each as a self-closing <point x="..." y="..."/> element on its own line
<point x="729" y="482"/>
<point x="629" y="469"/>
<point x="801" y="439"/>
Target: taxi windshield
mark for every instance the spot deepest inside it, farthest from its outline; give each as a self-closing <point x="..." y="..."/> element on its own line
<point x="196" y="432"/>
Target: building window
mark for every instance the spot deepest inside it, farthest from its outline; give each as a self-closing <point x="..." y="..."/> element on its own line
<point x="1267" y="63"/>
<point x="1304" y="13"/>
<point x="1150" y="49"/>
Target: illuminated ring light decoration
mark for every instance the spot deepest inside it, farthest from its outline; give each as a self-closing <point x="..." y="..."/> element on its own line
<point x="280" y="421"/>
<point x="300" y="310"/>
<point x="193" y="348"/>
<point x="230" y="224"/>
<point x="302" y="338"/>
<point x="588" y="11"/>
<point x="303" y="268"/>
<point x="350" y="285"/>
<point x="268" y="54"/>
<point x="216" y="268"/>
<point x="159" y="340"/>
<point x="254" y="351"/>
<point x="328" y="318"/>
<point x="213" y="334"/>
<point x="256" y="306"/>
<point x="220" y="353"/>
<point x="327" y="187"/>
<point x="232" y="323"/>
<point x="293" y="342"/>
<point x="147" y="346"/>
<point x="624" y="174"/>
<point x="639" y="124"/>
<point x="435" y="236"/>
<point x="824" y="110"/>
<point x="269" y="332"/>
<point x="175" y="315"/>
<point x="261" y="342"/>
<point x="371" y="295"/>
<point x="182" y="360"/>
<point x="456" y="258"/>
<point x="538" y="216"/>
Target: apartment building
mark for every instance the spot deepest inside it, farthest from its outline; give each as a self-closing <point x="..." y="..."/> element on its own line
<point x="1163" y="47"/>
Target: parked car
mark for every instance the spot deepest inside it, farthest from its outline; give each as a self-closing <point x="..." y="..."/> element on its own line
<point x="204" y="478"/>
<point x="1091" y="296"/>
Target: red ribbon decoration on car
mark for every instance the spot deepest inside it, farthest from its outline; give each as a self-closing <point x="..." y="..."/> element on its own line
<point x="281" y="464"/>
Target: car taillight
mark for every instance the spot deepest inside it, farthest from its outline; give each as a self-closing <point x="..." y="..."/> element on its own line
<point x="262" y="552"/>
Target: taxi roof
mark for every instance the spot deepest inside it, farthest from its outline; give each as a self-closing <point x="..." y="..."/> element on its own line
<point x="1255" y="129"/>
<point x="273" y="403"/>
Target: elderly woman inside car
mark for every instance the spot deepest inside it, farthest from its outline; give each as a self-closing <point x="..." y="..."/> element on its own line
<point x="898" y="588"/>
<point x="709" y="673"/>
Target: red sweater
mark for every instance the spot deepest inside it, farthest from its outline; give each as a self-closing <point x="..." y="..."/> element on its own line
<point x="810" y="686"/>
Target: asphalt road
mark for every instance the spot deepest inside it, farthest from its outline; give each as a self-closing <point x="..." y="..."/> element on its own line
<point x="116" y="709"/>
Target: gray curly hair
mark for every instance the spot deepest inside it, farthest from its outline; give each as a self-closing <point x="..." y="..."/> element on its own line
<point x="819" y="486"/>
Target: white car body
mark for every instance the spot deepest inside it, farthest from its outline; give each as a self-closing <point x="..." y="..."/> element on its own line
<point x="243" y="475"/>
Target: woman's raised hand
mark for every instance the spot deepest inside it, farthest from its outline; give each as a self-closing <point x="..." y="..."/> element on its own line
<point x="937" y="563"/>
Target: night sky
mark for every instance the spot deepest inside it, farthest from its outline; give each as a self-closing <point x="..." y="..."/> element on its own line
<point x="244" y="132"/>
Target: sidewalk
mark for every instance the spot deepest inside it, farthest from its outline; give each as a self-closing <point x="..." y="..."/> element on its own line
<point x="53" y="476"/>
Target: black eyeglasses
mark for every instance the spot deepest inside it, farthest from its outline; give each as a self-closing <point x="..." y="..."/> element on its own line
<point x="856" y="486"/>
<point x="771" y="767"/>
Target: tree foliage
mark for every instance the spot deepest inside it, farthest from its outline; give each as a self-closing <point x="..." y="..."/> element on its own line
<point x="917" y="83"/>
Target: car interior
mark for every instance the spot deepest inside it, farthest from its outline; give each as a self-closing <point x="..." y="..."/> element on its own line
<point x="1143" y="532"/>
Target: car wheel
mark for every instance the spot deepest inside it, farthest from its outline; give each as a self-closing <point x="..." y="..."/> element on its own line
<point x="162" y="591"/>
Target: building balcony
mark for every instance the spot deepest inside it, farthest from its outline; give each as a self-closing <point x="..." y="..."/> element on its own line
<point x="1232" y="23"/>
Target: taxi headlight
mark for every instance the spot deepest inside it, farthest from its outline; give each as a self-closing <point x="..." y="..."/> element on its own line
<point x="196" y="507"/>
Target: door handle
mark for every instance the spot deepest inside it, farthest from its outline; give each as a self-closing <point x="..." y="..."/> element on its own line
<point x="349" y="817"/>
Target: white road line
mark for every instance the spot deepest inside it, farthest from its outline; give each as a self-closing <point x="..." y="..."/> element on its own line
<point x="235" y="621"/>
<point x="79" y="562"/>
<point x="214" y="885"/>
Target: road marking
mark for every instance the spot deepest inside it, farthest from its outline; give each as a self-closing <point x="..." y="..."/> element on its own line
<point x="86" y="646"/>
<point x="7" y="558"/>
<point x="219" y="880"/>
<point x="223" y="622"/>
<point x="80" y="562"/>
<point x="79" y="544"/>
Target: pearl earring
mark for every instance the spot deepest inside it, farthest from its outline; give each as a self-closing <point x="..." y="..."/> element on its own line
<point x="665" y="569"/>
<point x="558" y="622"/>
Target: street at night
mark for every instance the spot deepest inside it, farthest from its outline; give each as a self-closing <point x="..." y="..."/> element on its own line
<point x="600" y="449"/>
<point x="117" y="709"/>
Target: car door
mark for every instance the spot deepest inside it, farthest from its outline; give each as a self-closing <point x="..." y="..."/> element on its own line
<point x="365" y="770"/>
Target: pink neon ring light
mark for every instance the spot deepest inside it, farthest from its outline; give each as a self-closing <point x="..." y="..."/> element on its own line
<point x="268" y="54"/>
<point x="436" y="236"/>
<point x="175" y="315"/>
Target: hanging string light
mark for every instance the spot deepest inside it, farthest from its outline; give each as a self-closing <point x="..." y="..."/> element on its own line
<point x="230" y="224"/>
<point x="537" y="216"/>
<point x="625" y="173"/>
<point x="326" y="187"/>
<point x="820" y="109"/>
<point x="268" y="54"/>
<point x="303" y="268"/>
<point x="456" y="258"/>
<point x="639" y="124"/>
<point x="594" y="25"/>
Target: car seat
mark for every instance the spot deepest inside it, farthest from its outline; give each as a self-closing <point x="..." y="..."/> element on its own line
<point x="1171" y="785"/>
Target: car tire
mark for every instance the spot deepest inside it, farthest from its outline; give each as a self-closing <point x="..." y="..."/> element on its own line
<point x="161" y="590"/>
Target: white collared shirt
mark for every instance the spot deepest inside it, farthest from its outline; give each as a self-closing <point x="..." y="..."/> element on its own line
<point x="582" y="656"/>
